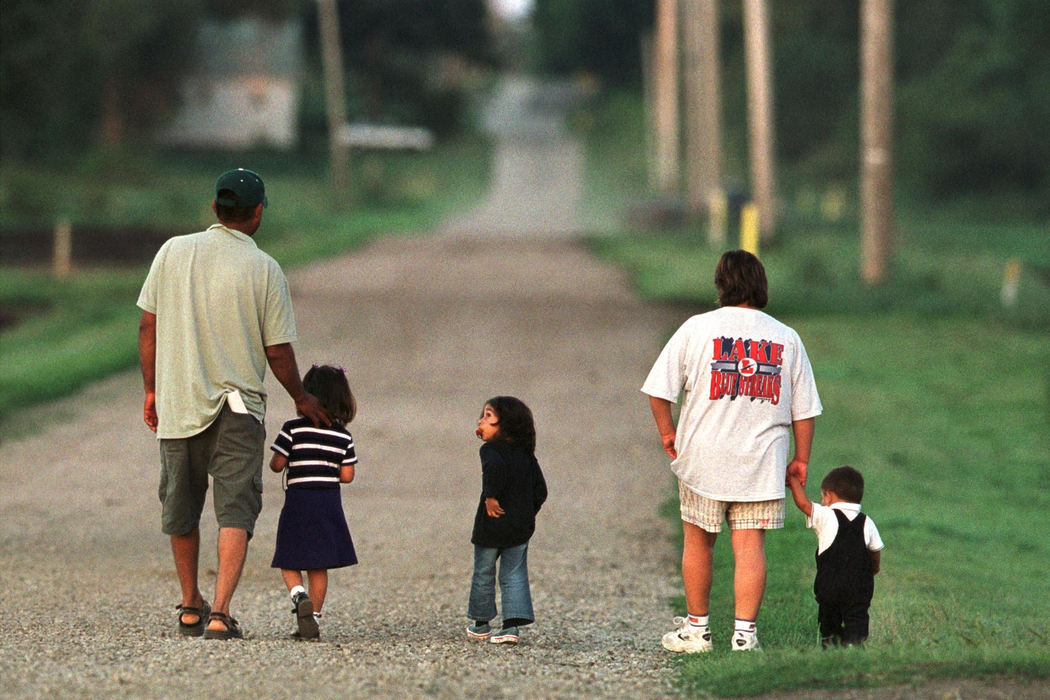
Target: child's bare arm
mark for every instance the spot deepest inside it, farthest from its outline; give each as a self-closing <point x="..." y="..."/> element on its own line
<point x="798" y="492"/>
<point x="346" y="473"/>
<point x="278" y="462"/>
<point x="876" y="561"/>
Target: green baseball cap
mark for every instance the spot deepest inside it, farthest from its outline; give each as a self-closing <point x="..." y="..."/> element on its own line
<point x="246" y="185"/>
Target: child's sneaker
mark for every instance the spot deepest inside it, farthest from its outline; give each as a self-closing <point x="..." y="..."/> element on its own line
<point x="480" y="632"/>
<point x="687" y="639"/>
<point x="507" y="635"/>
<point x="745" y="641"/>
<point x="304" y="614"/>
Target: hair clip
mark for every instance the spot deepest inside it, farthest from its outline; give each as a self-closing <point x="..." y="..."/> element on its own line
<point x="338" y="367"/>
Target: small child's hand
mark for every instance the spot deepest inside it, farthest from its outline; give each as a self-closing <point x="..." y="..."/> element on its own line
<point x="492" y="507"/>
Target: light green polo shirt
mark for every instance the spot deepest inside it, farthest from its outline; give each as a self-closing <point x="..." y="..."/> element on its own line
<point x="219" y="302"/>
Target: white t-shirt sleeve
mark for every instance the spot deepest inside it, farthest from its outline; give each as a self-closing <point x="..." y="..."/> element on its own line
<point x="805" y="401"/>
<point x="667" y="376"/>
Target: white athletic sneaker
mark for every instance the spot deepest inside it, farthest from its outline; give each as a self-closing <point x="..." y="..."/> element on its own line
<point x="686" y="639"/>
<point x="745" y="641"/>
<point x="507" y="635"/>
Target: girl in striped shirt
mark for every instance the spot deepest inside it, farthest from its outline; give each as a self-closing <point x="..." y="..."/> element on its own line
<point x="312" y="535"/>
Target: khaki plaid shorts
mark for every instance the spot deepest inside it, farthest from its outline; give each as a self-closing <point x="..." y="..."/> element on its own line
<point x="709" y="514"/>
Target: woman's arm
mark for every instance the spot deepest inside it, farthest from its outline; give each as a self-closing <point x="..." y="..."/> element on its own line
<point x="661" y="409"/>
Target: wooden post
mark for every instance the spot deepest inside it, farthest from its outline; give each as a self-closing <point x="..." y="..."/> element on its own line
<point x="665" y="102"/>
<point x="760" y="113"/>
<point x="876" y="139"/>
<point x="332" y="58"/>
<point x="703" y="103"/>
<point x="62" y="249"/>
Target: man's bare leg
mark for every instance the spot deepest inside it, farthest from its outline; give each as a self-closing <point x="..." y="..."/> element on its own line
<point x="185" y="549"/>
<point x="232" y="551"/>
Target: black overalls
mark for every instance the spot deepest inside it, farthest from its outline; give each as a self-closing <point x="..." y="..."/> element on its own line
<point x="844" y="584"/>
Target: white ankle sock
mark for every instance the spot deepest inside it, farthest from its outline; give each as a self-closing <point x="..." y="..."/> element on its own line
<point x="698" y="621"/>
<point x="745" y="626"/>
<point x="296" y="590"/>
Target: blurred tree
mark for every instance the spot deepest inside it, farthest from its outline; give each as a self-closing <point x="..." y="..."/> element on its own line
<point x="75" y="74"/>
<point x="76" y="71"/>
<point x="410" y="60"/>
<point x="602" y="37"/>
<point x="975" y="106"/>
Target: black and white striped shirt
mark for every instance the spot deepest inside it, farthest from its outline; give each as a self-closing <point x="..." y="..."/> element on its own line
<point x="314" y="454"/>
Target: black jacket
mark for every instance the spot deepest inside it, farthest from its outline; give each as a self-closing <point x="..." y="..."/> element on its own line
<point x="515" y="480"/>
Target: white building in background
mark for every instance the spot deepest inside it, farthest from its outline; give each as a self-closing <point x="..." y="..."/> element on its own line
<point x="244" y="89"/>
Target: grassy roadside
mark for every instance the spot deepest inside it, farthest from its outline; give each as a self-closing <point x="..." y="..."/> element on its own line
<point x="69" y="332"/>
<point x="942" y="399"/>
<point x="939" y="394"/>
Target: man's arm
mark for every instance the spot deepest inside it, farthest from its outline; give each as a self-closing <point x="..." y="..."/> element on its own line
<point x="281" y="359"/>
<point x="661" y="409"/>
<point x="803" y="433"/>
<point x="148" y="360"/>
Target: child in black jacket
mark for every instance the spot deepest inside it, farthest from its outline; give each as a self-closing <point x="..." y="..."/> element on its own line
<point x="512" y="491"/>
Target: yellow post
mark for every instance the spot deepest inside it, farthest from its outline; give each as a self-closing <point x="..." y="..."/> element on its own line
<point x="749" y="227"/>
<point x="1011" y="282"/>
<point x="717" y="217"/>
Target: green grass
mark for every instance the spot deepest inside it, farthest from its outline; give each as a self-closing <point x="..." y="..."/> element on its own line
<point x="953" y="447"/>
<point x="73" y="331"/>
<point x="942" y="399"/>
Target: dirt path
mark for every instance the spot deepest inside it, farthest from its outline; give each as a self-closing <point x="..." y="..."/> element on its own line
<point x="428" y="329"/>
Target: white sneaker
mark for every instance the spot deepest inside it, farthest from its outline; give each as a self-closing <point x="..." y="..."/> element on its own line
<point x="745" y="641"/>
<point x="687" y="639"/>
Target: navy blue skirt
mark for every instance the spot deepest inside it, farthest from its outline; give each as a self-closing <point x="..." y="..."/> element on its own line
<point x="312" y="532"/>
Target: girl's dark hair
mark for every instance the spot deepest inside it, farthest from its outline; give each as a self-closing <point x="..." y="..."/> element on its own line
<point x="330" y="387"/>
<point x="846" y="482"/>
<point x="741" y="279"/>
<point x="515" y="422"/>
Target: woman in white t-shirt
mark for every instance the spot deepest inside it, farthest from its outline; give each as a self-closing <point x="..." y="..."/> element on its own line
<point x="746" y="388"/>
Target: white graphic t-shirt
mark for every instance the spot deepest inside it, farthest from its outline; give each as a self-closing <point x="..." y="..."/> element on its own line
<point x="743" y="377"/>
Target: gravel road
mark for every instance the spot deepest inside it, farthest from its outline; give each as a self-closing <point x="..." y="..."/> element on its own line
<point x="428" y="328"/>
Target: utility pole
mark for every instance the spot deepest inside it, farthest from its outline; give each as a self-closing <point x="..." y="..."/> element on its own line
<point x="703" y="108"/>
<point x="665" y="95"/>
<point x="876" y="155"/>
<point x="758" y="54"/>
<point x="332" y="58"/>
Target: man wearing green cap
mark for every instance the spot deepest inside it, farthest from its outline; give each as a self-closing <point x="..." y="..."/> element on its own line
<point x="215" y="313"/>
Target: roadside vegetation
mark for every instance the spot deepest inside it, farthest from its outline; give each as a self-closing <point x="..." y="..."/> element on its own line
<point x="60" y="334"/>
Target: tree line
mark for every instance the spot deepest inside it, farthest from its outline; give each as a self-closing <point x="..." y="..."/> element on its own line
<point x="972" y="76"/>
<point x="972" y="83"/>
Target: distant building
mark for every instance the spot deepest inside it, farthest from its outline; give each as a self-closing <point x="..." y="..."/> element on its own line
<point x="244" y="88"/>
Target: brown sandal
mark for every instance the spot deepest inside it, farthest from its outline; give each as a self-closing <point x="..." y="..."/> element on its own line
<point x="197" y="628"/>
<point x="232" y="631"/>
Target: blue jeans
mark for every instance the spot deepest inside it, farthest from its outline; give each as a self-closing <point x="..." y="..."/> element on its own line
<point x="516" y="601"/>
